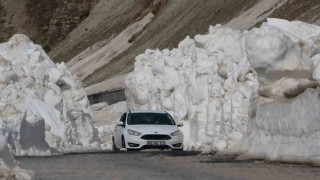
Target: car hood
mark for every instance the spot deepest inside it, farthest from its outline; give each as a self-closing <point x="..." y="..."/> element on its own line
<point x="167" y="129"/>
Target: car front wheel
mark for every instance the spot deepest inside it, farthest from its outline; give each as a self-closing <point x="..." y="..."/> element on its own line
<point x="123" y="143"/>
<point x="177" y="149"/>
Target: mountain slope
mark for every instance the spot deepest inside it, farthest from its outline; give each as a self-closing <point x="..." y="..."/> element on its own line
<point x="46" y="22"/>
<point x="173" y="21"/>
<point x="92" y="37"/>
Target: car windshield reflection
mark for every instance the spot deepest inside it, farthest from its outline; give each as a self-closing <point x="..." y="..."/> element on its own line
<point x="150" y="119"/>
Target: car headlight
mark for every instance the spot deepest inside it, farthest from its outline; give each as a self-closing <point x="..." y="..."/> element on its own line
<point x="133" y="133"/>
<point x="176" y="133"/>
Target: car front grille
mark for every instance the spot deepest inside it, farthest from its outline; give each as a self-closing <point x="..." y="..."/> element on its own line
<point x="155" y="137"/>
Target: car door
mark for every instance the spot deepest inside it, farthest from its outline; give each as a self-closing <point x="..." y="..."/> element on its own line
<point x="119" y="130"/>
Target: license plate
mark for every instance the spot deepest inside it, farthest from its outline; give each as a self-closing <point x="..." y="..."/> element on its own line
<point x="156" y="143"/>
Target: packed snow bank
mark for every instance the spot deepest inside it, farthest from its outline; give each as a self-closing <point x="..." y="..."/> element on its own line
<point x="286" y="124"/>
<point x="209" y="84"/>
<point x="43" y="108"/>
<point x="286" y="130"/>
<point x="105" y="118"/>
<point x="8" y="167"/>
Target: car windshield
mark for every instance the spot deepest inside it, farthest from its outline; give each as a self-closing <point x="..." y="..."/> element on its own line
<point x="150" y="118"/>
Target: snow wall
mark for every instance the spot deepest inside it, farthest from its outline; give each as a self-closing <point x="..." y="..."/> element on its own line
<point x="209" y="84"/>
<point x="286" y="130"/>
<point x="286" y="126"/>
<point x="43" y="108"/>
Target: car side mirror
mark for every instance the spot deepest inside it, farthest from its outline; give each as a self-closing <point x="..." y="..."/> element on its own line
<point x="120" y="123"/>
<point x="180" y="124"/>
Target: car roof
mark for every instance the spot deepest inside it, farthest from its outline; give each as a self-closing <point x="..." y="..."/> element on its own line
<point x="147" y="111"/>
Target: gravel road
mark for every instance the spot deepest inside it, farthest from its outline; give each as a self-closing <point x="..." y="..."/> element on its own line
<point x="161" y="165"/>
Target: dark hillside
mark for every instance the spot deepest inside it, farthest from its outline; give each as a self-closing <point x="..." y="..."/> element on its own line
<point x="46" y="22"/>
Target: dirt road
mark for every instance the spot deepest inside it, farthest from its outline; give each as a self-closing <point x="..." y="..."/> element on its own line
<point x="161" y="165"/>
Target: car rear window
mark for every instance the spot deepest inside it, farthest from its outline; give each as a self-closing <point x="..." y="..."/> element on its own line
<point x="150" y="118"/>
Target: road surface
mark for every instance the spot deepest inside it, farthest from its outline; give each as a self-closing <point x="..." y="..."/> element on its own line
<point x="161" y="165"/>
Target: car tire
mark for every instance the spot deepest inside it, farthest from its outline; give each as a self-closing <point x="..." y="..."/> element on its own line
<point x="177" y="149"/>
<point x="123" y="143"/>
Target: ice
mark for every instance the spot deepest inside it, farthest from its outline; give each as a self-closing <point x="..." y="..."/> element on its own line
<point x="43" y="108"/>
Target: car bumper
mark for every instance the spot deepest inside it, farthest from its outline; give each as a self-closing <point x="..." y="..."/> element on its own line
<point x="135" y="142"/>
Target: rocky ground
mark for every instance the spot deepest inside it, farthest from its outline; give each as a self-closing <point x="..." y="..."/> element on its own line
<point x="162" y="165"/>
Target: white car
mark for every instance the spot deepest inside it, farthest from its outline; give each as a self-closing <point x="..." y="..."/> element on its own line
<point x="147" y="130"/>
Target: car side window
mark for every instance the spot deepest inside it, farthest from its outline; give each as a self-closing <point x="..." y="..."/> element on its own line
<point x="123" y="118"/>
